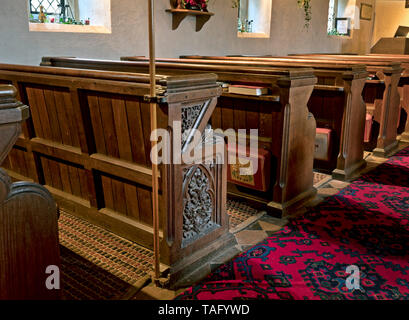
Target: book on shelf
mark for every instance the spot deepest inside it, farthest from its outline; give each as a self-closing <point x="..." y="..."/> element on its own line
<point x="248" y="90"/>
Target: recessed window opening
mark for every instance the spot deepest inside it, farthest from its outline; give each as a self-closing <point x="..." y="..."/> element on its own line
<point x="70" y="15"/>
<point x="342" y="17"/>
<point x="254" y="18"/>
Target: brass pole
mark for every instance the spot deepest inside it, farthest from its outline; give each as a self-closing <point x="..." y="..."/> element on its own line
<point x="154" y="157"/>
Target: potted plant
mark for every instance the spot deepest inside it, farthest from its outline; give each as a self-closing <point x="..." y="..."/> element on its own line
<point x="191" y="4"/>
<point x="306" y="5"/>
<point x="203" y="5"/>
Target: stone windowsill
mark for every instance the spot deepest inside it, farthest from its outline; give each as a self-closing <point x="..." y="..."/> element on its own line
<point x="252" y="35"/>
<point x="56" y="27"/>
<point x="340" y="37"/>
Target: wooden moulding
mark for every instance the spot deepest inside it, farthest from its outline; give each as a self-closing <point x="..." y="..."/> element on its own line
<point x="178" y="15"/>
<point x="28" y="218"/>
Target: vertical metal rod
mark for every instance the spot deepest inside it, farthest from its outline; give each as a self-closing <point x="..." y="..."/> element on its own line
<point x="155" y="202"/>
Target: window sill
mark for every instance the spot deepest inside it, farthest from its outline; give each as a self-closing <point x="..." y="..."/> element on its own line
<point x="339" y="37"/>
<point x="56" y="27"/>
<point x="253" y="35"/>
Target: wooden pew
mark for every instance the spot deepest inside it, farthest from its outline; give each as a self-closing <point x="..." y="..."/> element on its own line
<point x="336" y="96"/>
<point x="28" y="219"/>
<point x="89" y="143"/>
<point x="369" y="58"/>
<point x="403" y="86"/>
<point x="286" y="128"/>
<point x="389" y="84"/>
<point x="381" y="96"/>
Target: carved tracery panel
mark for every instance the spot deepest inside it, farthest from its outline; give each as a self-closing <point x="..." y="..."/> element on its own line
<point x="199" y="204"/>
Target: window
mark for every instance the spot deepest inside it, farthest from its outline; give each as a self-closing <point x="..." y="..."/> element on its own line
<point x="88" y="16"/>
<point x="50" y="6"/>
<point x="342" y="17"/>
<point x="254" y="18"/>
<point x="58" y="11"/>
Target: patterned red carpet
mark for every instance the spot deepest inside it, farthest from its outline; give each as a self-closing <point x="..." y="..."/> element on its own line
<point x="366" y="225"/>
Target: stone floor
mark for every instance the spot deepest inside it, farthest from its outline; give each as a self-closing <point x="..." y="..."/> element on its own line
<point x="267" y="225"/>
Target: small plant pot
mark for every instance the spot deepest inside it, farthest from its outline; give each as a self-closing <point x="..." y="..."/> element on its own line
<point x="190" y="7"/>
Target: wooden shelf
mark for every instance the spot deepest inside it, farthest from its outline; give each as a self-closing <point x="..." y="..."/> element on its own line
<point x="180" y="14"/>
<point x="328" y="87"/>
<point x="265" y="97"/>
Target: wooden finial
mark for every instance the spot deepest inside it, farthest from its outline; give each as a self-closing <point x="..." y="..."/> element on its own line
<point x="12" y="113"/>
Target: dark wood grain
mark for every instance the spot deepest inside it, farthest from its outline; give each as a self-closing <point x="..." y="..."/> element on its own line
<point x="137" y="140"/>
<point x="104" y="181"/>
<point x="276" y="199"/>
<point x="63" y="118"/>
<point x="339" y="78"/>
<point x="28" y="216"/>
<point x="108" y="126"/>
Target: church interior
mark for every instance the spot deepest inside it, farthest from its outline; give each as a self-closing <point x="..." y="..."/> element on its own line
<point x="204" y="150"/>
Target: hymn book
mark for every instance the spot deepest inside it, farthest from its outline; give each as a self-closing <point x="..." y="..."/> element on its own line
<point x="248" y="90"/>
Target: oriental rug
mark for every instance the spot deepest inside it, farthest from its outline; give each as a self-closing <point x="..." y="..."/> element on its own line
<point x="365" y="226"/>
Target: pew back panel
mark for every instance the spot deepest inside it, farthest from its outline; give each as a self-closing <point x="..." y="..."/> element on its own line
<point x="89" y="144"/>
<point x="291" y="125"/>
<point x="403" y="123"/>
<point x="387" y="109"/>
<point x="337" y="92"/>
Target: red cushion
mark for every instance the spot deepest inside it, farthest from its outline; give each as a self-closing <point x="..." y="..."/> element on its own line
<point x="261" y="179"/>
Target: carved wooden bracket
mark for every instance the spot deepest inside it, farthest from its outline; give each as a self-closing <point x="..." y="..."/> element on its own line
<point x="180" y="14"/>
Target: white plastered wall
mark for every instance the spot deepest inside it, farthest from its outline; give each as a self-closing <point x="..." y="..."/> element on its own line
<point x="129" y="34"/>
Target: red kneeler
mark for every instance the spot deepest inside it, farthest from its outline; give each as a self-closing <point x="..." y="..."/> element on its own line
<point x="258" y="181"/>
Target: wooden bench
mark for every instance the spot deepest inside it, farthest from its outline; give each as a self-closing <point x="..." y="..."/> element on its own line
<point x="286" y="129"/>
<point x="403" y="86"/>
<point x="88" y="142"/>
<point x="381" y="96"/>
<point x="336" y="96"/>
<point x="28" y="219"/>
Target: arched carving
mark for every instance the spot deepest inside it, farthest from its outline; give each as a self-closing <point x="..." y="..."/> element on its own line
<point x="199" y="204"/>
